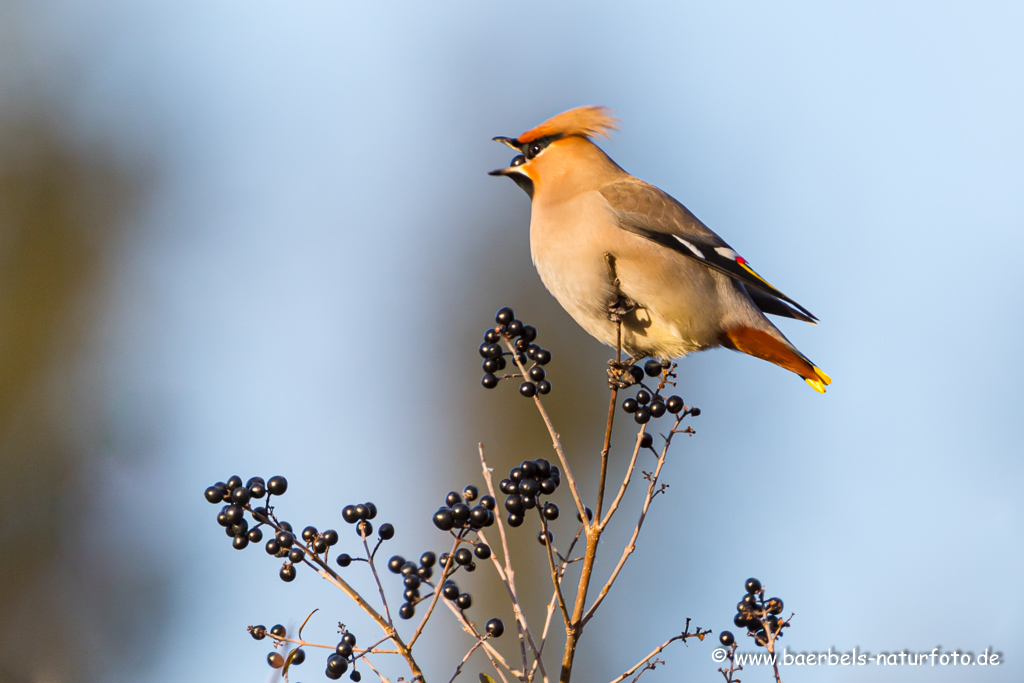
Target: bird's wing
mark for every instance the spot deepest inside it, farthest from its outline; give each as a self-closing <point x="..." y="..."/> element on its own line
<point x="645" y="210"/>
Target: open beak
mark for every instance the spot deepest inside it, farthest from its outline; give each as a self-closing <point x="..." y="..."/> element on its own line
<point x="517" y="161"/>
<point x="510" y="142"/>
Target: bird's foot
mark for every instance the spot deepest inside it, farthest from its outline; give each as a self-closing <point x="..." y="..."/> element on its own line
<point x="620" y="308"/>
<point x="619" y="375"/>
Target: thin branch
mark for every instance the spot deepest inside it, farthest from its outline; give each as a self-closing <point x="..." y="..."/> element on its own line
<point x="608" y="425"/>
<point x="652" y="491"/>
<point x="524" y="630"/>
<point x="306" y="643"/>
<point x="625" y="481"/>
<point x="465" y="659"/>
<point x="556" y="442"/>
<point x="506" y="574"/>
<point x="437" y="594"/>
<point x="492" y="654"/>
<point x="374" y="670"/>
<point x="376" y="577"/>
<point x="685" y="635"/>
<point x="554" y="599"/>
<point x="555" y="574"/>
<point x="330" y="575"/>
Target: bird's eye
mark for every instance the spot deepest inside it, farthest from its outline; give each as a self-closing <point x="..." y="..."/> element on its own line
<point x="519" y="160"/>
<point x="535" y="149"/>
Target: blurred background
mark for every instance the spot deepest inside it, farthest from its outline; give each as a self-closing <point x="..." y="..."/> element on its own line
<point x="258" y="238"/>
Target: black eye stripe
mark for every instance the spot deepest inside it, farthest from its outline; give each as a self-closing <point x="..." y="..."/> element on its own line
<point x="532" y="149"/>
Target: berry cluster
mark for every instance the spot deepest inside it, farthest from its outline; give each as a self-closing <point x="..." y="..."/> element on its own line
<point x="337" y="663"/>
<point x="413" y="576"/>
<point x="520" y="337"/>
<point x="312" y="546"/>
<point x="457" y="514"/>
<point x="650" y="403"/>
<point x="525" y="485"/>
<point x="360" y="515"/>
<point x="311" y="543"/>
<point x="759" y="616"/>
<point x="236" y="500"/>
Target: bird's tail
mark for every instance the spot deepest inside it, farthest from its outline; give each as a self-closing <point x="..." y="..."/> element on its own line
<point x="764" y="345"/>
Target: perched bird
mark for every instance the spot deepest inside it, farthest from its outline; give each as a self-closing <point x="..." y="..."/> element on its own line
<point x="611" y="247"/>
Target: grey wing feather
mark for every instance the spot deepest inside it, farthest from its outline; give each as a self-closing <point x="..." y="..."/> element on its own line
<point x="645" y="210"/>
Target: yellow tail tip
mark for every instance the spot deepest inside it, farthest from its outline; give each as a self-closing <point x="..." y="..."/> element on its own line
<point x="816" y="385"/>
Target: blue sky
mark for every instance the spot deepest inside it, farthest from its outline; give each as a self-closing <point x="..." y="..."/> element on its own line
<point x="319" y="173"/>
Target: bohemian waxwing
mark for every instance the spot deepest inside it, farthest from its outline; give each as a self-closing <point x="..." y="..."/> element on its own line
<point x="610" y="246"/>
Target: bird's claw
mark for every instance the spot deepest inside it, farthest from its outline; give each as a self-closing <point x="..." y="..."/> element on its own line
<point x="620" y="308"/>
<point x="618" y="374"/>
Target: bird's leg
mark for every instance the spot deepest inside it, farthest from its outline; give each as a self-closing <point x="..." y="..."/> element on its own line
<point x="621" y="305"/>
<point x="618" y="308"/>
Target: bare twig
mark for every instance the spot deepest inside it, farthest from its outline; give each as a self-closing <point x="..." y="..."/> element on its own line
<point x="625" y="481"/>
<point x="376" y="577"/>
<point x="497" y="661"/>
<point x="685" y="635"/>
<point x="465" y="659"/>
<point x="437" y="594"/>
<point x="299" y="642"/>
<point x="382" y="678"/>
<point x="506" y="573"/>
<point x="652" y="491"/>
<point x="555" y="573"/>
<point x="556" y="443"/>
<point x="606" y="447"/>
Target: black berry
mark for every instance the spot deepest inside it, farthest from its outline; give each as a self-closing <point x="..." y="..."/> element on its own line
<point x="277" y="485"/>
<point x="215" y="494"/>
<point x="444" y="519"/>
<point x="495" y="628"/>
<point x="637" y="373"/>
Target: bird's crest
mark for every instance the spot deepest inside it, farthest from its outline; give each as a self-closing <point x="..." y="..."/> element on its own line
<point x="585" y="122"/>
